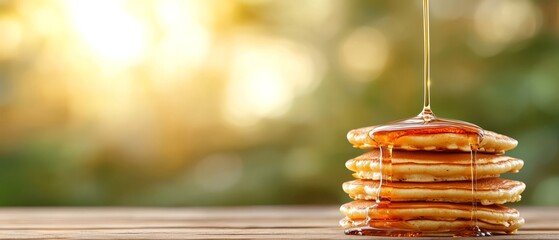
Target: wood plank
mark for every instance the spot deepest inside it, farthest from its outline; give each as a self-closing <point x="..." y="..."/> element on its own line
<point x="299" y="222"/>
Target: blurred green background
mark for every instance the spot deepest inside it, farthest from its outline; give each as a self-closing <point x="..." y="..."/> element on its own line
<point x="234" y="102"/>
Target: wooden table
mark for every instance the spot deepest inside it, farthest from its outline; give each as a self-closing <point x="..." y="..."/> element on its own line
<point x="302" y="222"/>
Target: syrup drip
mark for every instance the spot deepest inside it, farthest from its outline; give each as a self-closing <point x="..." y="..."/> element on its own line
<point x="424" y="123"/>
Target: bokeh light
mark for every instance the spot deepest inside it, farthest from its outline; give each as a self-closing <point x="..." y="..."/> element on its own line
<point x="364" y="53"/>
<point x="498" y="23"/>
<point x="115" y="35"/>
<point x="11" y="35"/>
<point x="266" y="75"/>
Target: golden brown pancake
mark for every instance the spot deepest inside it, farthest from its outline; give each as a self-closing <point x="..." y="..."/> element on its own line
<point x="425" y="217"/>
<point x="424" y="166"/>
<point x="489" y="191"/>
<point x="492" y="142"/>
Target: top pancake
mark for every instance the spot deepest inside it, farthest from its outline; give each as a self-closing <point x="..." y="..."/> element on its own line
<point x="492" y="142"/>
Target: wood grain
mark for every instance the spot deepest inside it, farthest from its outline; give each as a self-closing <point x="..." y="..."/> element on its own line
<point x="301" y="222"/>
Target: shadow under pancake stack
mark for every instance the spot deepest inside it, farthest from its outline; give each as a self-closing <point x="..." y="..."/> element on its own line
<point x="438" y="177"/>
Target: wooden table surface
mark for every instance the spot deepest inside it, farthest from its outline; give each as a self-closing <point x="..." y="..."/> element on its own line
<point x="301" y="222"/>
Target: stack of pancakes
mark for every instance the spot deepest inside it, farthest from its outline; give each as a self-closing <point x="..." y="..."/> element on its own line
<point x="427" y="186"/>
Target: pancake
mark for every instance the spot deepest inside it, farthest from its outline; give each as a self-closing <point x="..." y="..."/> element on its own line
<point x="424" y="166"/>
<point x="436" y="141"/>
<point x="489" y="191"/>
<point x="425" y="217"/>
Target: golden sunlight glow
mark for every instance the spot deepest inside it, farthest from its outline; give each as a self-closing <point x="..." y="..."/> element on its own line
<point x="11" y="35"/>
<point x="137" y="73"/>
<point x="266" y="75"/>
<point x="185" y="42"/>
<point x="267" y="93"/>
<point x="109" y="29"/>
<point x="364" y="53"/>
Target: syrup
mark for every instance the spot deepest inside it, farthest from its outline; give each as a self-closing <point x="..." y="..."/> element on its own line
<point x="424" y="123"/>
